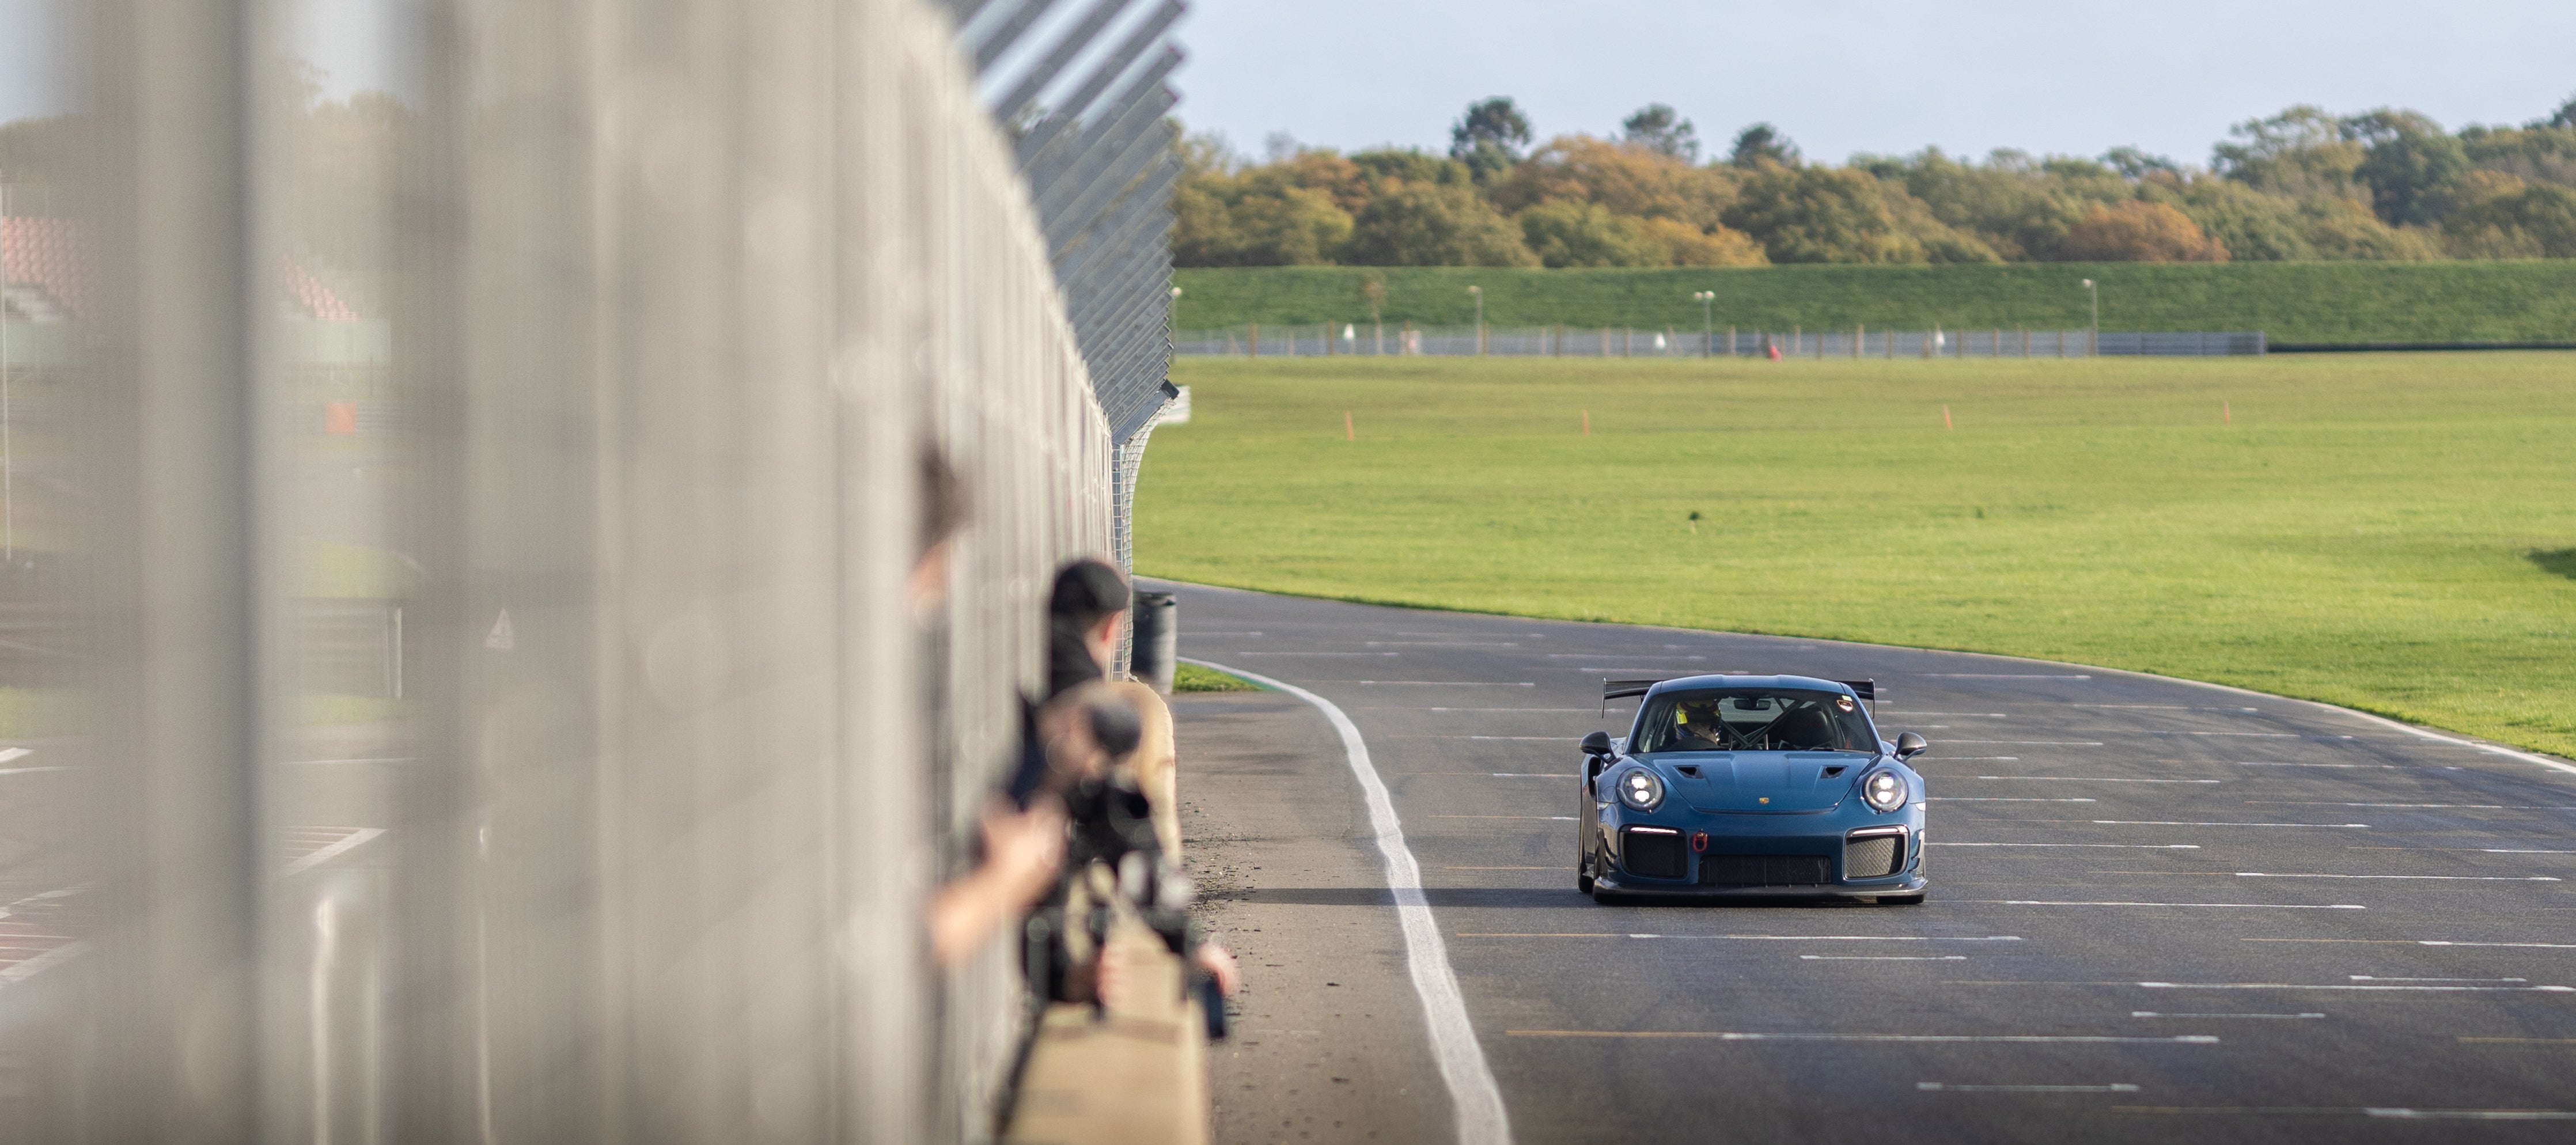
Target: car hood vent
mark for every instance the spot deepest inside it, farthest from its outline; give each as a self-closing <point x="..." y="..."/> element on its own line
<point x="1763" y="781"/>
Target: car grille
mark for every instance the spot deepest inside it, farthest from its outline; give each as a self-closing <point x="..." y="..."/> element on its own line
<point x="1652" y="854"/>
<point x="1764" y="870"/>
<point x="1875" y="857"/>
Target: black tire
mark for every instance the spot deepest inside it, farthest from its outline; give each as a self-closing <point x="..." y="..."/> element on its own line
<point x="1915" y="899"/>
<point x="1582" y="868"/>
<point x="1601" y="894"/>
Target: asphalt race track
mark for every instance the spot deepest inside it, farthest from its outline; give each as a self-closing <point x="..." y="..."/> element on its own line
<point x="2159" y="910"/>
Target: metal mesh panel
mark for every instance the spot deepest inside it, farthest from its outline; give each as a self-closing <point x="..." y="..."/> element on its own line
<point x="1764" y="870"/>
<point x="1653" y="854"/>
<point x="1873" y="857"/>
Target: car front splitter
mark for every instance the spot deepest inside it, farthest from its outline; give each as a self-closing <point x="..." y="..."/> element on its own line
<point x="1612" y="885"/>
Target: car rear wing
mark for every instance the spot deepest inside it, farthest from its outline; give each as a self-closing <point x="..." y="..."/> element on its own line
<point x="1623" y="689"/>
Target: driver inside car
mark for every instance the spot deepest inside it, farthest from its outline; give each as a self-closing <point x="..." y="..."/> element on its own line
<point x="1701" y="727"/>
<point x="1802" y="726"/>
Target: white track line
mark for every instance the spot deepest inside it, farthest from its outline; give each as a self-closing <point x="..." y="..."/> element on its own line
<point x="2491" y="749"/>
<point x="2235" y="905"/>
<point x="1585" y="711"/>
<point x="2430" y="942"/>
<point x="2106" y="846"/>
<point x="2340" y="986"/>
<point x="2413" y="806"/>
<point x="2005" y="799"/>
<point x="2090" y="779"/>
<point x="1423" y="684"/>
<point x="16" y="753"/>
<point x="1954" y="1087"/>
<point x="2358" y="766"/>
<point x="1728" y="1036"/>
<point x="2154" y="1014"/>
<point x="2033" y="742"/>
<point x="2437" y="878"/>
<point x="2377" y="978"/>
<point x="2473" y="1114"/>
<point x="1473" y="1093"/>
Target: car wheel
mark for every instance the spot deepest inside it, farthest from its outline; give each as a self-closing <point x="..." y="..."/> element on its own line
<point x="1582" y="869"/>
<point x="1915" y="899"/>
<point x="1601" y="894"/>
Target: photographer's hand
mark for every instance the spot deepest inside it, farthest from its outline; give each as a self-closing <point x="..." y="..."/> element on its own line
<point x="1213" y="957"/>
<point x="1021" y="853"/>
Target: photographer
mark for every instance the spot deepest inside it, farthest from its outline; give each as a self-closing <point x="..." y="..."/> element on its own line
<point x="1104" y="748"/>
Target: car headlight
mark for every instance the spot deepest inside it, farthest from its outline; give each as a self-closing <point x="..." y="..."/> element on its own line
<point x="1640" y="789"/>
<point x="1883" y="790"/>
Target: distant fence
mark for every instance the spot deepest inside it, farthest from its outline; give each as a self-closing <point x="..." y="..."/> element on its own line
<point x="1258" y="339"/>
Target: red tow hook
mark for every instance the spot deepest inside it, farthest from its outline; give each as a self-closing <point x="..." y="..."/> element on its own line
<point x="1699" y="842"/>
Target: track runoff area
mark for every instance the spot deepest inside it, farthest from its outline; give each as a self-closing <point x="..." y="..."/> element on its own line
<point x="2157" y="908"/>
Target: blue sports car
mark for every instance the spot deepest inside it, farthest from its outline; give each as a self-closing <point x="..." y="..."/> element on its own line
<point x="1750" y="787"/>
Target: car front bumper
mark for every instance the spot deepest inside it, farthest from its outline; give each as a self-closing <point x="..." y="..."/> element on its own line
<point x="1666" y="888"/>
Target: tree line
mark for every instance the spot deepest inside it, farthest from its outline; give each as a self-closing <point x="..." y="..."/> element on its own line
<point x="2304" y="184"/>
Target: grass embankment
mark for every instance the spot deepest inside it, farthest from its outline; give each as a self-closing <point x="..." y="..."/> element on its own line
<point x="2293" y="302"/>
<point x="2391" y="532"/>
<point x="1192" y="678"/>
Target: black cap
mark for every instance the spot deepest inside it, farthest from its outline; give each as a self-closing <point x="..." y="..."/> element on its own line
<point x="1087" y="590"/>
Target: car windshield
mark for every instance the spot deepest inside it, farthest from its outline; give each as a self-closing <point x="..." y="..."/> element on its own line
<point x="1754" y="719"/>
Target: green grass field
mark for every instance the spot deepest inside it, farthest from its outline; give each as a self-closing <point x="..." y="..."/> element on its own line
<point x="2392" y="532"/>
<point x="2293" y="302"/>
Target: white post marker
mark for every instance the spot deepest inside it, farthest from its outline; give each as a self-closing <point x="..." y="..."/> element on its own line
<point x="1473" y="1093"/>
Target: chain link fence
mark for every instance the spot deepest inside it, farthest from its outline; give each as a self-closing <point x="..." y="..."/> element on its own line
<point x="466" y="678"/>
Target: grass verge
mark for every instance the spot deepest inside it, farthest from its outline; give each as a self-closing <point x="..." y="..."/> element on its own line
<point x="1192" y="678"/>
<point x="2388" y="532"/>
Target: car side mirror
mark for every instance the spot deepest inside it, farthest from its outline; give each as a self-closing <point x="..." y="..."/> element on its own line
<point x="1909" y="745"/>
<point x="1597" y="744"/>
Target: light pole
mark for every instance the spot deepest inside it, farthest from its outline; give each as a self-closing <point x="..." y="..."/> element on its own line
<point x="2093" y="335"/>
<point x="1479" y="292"/>
<point x="1707" y="322"/>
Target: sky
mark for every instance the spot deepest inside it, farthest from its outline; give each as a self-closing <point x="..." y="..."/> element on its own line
<point x="2074" y="77"/>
